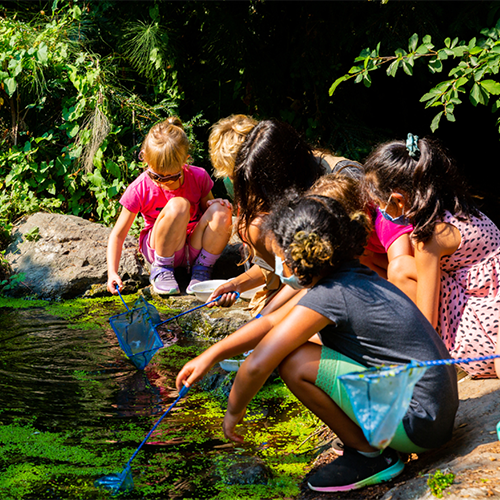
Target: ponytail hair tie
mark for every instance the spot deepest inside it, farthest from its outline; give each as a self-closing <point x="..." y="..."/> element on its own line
<point x="412" y="146"/>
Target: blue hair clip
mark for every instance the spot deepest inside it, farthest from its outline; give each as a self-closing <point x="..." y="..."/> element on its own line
<point x="412" y="146"/>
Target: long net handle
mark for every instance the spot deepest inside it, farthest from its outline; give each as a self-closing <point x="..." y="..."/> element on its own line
<point x="453" y="361"/>
<point x="194" y="309"/>
<point x="118" y="290"/>
<point x="182" y="393"/>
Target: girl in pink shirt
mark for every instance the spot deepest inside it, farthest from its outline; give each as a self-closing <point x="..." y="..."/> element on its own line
<point x="184" y="225"/>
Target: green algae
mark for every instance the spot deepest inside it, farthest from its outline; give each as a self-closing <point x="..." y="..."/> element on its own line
<point x="36" y="463"/>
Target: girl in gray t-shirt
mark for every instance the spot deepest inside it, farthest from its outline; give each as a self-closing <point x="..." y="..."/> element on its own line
<point x="362" y="321"/>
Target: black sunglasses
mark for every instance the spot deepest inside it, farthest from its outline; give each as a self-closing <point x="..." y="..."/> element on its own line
<point x="163" y="178"/>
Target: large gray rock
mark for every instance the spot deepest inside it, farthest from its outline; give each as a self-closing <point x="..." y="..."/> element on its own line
<point x="66" y="256"/>
<point x="63" y="256"/>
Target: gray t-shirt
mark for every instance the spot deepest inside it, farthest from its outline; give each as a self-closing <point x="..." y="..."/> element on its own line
<point x="374" y="323"/>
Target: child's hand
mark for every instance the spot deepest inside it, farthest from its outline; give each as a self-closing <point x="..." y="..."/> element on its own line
<point x="193" y="371"/>
<point x="222" y="201"/>
<point x="230" y="422"/>
<point x="227" y="290"/>
<point x="114" y="280"/>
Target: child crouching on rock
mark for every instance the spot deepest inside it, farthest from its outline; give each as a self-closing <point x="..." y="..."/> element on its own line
<point x="363" y="321"/>
<point x="184" y="225"/>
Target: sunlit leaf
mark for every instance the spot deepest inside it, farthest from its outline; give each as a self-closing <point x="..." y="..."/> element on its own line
<point x="412" y="43"/>
<point x="430" y="95"/>
<point x="10" y="86"/>
<point x="459" y="51"/>
<point x="492" y="86"/>
<point x="442" y="55"/>
<point x="407" y="68"/>
<point x="336" y="83"/>
<point x="42" y="53"/>
<point x="435" y="66"/>
<point x="422" y="49"/>
<point x="435" y="121"/>
<point x="393" y="68"/>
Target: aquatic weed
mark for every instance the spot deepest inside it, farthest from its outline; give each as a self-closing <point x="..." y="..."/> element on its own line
<point x="439" y="481"/>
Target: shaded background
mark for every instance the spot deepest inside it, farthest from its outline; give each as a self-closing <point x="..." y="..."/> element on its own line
<point x="278" y="59"/>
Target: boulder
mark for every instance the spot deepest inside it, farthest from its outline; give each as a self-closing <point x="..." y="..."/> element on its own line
<point x="64" y="256"/>
<point x="61" y="256"/>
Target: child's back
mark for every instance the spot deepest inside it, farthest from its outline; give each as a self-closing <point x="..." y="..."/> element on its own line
<point x="374" y="323"/>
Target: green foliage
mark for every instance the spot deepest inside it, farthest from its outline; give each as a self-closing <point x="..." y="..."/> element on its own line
<point x="474" y="72"/>
<point x="74" y="128"/>
<point x="438" y="482"/>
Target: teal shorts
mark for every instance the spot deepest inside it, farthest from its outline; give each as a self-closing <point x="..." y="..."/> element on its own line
<point x="333" y="364"/>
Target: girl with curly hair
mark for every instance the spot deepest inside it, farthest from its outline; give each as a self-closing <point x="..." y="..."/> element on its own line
<point x="363" y="321"/>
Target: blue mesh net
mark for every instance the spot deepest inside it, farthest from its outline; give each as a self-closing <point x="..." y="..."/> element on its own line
<point x="136" y="333"/>
<point x="116" y="483"/>
<point x="380" y="398"/>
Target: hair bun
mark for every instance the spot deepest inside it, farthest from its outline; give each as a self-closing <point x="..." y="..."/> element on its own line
<point x="174" y="120"/>
<point x="309" y="249"/>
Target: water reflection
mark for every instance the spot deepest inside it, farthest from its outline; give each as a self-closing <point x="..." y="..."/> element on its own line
<point x="75" y="376"/>
<point x="79" y="383"/>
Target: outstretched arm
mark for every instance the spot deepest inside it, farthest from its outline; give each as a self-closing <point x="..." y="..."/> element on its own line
<point x="115" y="245"/>
<point x="242" y="340"/>
<point x="299" y="325"/>
<point x="246" y="281"/>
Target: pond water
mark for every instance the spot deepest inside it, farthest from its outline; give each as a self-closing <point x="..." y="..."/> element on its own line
<point x="73" y="408"/>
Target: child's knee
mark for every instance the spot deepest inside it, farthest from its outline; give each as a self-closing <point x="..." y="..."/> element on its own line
<point x="177" y="207"/>
<point x="219" y="215"/>
<point x="290" y="368"/>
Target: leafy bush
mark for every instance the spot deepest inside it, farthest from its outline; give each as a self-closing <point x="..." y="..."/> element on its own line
<point x="75" y="127"/>
<point x="474" y="72"/>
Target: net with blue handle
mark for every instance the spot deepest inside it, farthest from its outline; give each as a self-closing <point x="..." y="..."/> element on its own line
<point x="136" y="329"/>
<point x="123" y="482"/>
<point x="380" y="396"/>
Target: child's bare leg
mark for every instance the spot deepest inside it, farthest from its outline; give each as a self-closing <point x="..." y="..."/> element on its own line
<point x="402" y="272"/>
<point x="168" y="236"/>
<point x="169" y="232"/>
<point x="211" y="236"/>
<point x="213" y="230"/>
<point x="299" y="371"/>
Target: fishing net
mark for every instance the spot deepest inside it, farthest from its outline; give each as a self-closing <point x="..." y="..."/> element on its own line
<point x="380" y="397"/>
<point x="136" y="329"/>
<point x="117" y="483"/>
<point x="136" y="332"/>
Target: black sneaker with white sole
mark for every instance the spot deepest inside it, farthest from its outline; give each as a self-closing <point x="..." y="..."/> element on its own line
<point x="353" y="470"/>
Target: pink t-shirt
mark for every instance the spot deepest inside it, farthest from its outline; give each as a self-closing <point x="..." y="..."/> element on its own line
<point x="144" y="196"/>
<point x="388" y="232"/>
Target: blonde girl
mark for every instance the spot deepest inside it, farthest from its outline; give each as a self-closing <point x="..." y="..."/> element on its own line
<point x="184" y="224"/>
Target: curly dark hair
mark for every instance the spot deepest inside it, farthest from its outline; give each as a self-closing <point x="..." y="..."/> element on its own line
<point x="431" y="183"/>
<point x="316" y="235"/>
<point x="272" y="161"/>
